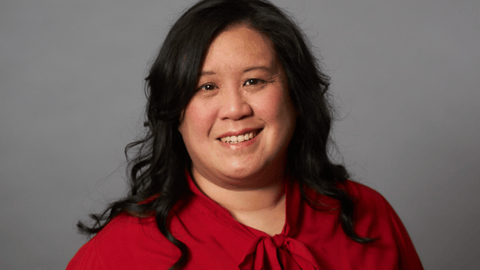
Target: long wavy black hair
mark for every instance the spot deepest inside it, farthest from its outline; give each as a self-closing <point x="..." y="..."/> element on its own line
<point x="158" y="160"/>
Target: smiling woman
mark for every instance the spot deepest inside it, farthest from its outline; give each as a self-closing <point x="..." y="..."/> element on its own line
<point x="247" y="95"/>
<point x="233" y="172"/>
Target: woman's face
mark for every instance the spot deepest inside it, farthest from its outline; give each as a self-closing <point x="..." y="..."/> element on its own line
<point x="238" y="124"/>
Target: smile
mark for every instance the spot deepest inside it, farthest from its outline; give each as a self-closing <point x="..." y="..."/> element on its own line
<point x="241" y="138"/>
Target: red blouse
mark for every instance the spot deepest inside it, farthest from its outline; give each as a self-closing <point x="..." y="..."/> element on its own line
<point x="311" y="238"/>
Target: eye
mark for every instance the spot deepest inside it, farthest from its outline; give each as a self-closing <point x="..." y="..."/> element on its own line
<point x="207" y="87"/>
<point x="253" y="82"/>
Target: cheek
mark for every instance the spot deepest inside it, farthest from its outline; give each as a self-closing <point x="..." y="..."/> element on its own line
<point x="276" y="106"/>
<point x="196" y="121"/>
<point x="280" y="113"/>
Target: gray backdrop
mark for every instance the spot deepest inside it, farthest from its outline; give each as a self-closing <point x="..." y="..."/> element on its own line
<point x="406" y="81"/>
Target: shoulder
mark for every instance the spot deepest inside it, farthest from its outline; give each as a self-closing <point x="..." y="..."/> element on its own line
<point x="123" y="244"/>
<point x="363" y="197"/>
<point x="363" y="194"/>
<point x="374" y="217"/>
<point x="369" y="203"/>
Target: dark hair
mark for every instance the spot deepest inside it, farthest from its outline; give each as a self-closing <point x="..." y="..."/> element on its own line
<point x="157" y="171"/>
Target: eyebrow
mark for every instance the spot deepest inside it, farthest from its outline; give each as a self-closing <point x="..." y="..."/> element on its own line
<point x="268" y="69"/>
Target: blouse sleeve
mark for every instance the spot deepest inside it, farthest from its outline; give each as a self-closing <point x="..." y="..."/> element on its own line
<point x="126" y="243"/>
<point x="86" y="258"/>
<point x="377" y="219"/>
<point x="408" y="256"/>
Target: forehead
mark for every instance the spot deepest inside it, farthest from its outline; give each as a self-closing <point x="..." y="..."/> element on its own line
<point x="237" y="46"/>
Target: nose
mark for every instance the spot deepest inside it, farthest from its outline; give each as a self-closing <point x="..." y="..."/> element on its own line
<point x="234" y="105"/>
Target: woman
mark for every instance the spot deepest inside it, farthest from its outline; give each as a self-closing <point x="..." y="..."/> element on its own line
<point x="233" y="172"/>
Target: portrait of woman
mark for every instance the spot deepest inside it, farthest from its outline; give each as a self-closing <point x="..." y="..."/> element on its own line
<point x="239" y="134"/>
<point x="234" y="171"/>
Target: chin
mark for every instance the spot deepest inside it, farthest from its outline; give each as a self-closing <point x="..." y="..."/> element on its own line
<point x="239" y="174"/>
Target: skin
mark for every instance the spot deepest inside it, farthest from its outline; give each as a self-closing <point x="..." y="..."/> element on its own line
<point x="242" y="88"/>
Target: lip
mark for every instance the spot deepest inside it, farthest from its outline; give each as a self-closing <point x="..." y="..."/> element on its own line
<point x="241" y="145"/>
<point x="241" y="132"/>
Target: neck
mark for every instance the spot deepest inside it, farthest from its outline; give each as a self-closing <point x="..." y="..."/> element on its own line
<point x="261" y="208"/>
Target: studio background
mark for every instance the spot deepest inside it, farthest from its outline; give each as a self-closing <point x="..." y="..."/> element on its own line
<point x="405" y="76"/>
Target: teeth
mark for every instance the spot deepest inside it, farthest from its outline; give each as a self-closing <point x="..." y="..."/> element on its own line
<point x="237" y="139"/>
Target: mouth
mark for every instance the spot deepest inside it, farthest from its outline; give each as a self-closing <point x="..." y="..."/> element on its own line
<point x="240" y="138"/>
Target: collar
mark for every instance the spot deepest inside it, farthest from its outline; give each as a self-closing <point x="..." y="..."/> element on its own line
<point x="292" y="206"/>
<point x="279" y="251"/>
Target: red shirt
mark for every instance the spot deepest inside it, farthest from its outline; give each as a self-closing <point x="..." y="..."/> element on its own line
<point x="311" y="238"/>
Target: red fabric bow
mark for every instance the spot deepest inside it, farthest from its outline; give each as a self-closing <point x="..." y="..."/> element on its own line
<point x="278" y="252"/>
